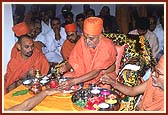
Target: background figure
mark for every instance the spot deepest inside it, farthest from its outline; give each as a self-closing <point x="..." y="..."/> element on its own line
<point x="19" y="13"/>
<point x="70" y="42"/>
<point x="54" y="41"/>
<point x="85" y="8"/>
<point x="128" y="14"/>
<point x="89" y="13"/>
<point x="45" y="22"/>
<point x="79" y="21"/>
<point x="109" y="22"/>
<point x="39" y="36"/>
<point x="68" y="16"/>
<point x="152" y="23"/>
<point x="159" y="31"/>
<point x="142" y="25"/>
<point x="110" y="25"/>
<point x="65" y="8"/>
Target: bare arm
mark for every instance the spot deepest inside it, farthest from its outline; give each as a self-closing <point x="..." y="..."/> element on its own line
<point x="88" y="76"/>
<point x="94" y="73"/>
<point x="83" y="78"/>
<point x="127" y="90"/>
<point x="110" y="69"/>
<point x="64" y="68"/>
<point x="131" y="91"/>
<point x="29" y="103"/>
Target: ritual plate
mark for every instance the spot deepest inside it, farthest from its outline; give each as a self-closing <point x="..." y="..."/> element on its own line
<point x="97" y="99"/>
<point x="67" y="93"/>
<point x="72" y="89"/>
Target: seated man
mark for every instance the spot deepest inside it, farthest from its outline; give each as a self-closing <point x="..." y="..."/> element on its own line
<point x="23" y="29"/>
<point x="26" y="60"/>
<point x="54" y="41"/>
<point x="92" y="56"/>
<point x="69" y="43"/>
<point x="79" y="21"/>
<point x="142" y="25"/>
<point x="152" y="89"/>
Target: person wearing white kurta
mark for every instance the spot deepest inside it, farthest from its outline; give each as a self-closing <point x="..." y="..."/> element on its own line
<point x="152" y="39"/>
<point x="160" y="34"/>
<point x="53" y="46"/>
<point x="41" y="38"/>
<point x="38" y="35"/>
<point x="45" y="28"/>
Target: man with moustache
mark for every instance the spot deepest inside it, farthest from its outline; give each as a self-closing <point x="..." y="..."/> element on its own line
<point x="93" y="56"/>
<point x="152" y="89"/>
<point x="24" y="63"/>
<point x="70" y="42"/>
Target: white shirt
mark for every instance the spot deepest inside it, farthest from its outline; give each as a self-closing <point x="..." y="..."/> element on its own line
<point x="41" y="38"/>
<point x="160" y="34"/>
<point x="52" y="50"/>
<point x="45" y="28"/>
<point x="152" y="39"/>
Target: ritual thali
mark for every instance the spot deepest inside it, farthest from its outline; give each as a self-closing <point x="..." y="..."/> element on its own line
<point x="96" y="99"/>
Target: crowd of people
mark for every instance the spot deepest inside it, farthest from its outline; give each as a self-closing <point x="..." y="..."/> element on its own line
<point x="45" y="40"/>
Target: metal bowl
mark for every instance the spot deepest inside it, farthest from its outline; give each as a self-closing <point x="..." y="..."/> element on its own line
<point x="44" y="81"/>
<point x="27" y="81"/>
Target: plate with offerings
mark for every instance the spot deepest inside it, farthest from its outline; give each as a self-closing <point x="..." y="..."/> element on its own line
<point x="96" y="99"/>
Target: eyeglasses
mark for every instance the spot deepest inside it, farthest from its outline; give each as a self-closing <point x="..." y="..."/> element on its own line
<point x="91" y="38"/>
<point x="156" y="73"/>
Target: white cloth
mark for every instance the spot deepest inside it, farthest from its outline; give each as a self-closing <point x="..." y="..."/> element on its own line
<point x="147" y="74"/>
<point x="52" y="50"/>
<point x="45" y="28"/>
<point x="160" y="34"/>
<point x="41" y="38"/>
<point x="53" y="57"/>
<point x="152" y="39"/>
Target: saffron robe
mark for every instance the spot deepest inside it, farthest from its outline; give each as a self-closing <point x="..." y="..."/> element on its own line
<point x="18" y="67"/>
<point x="153" y="98"/>
<point x="66" y="49"/>
<point x="84" y="59"/>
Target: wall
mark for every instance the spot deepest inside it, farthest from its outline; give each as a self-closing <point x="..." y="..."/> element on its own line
<point x="8" y="38"/>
